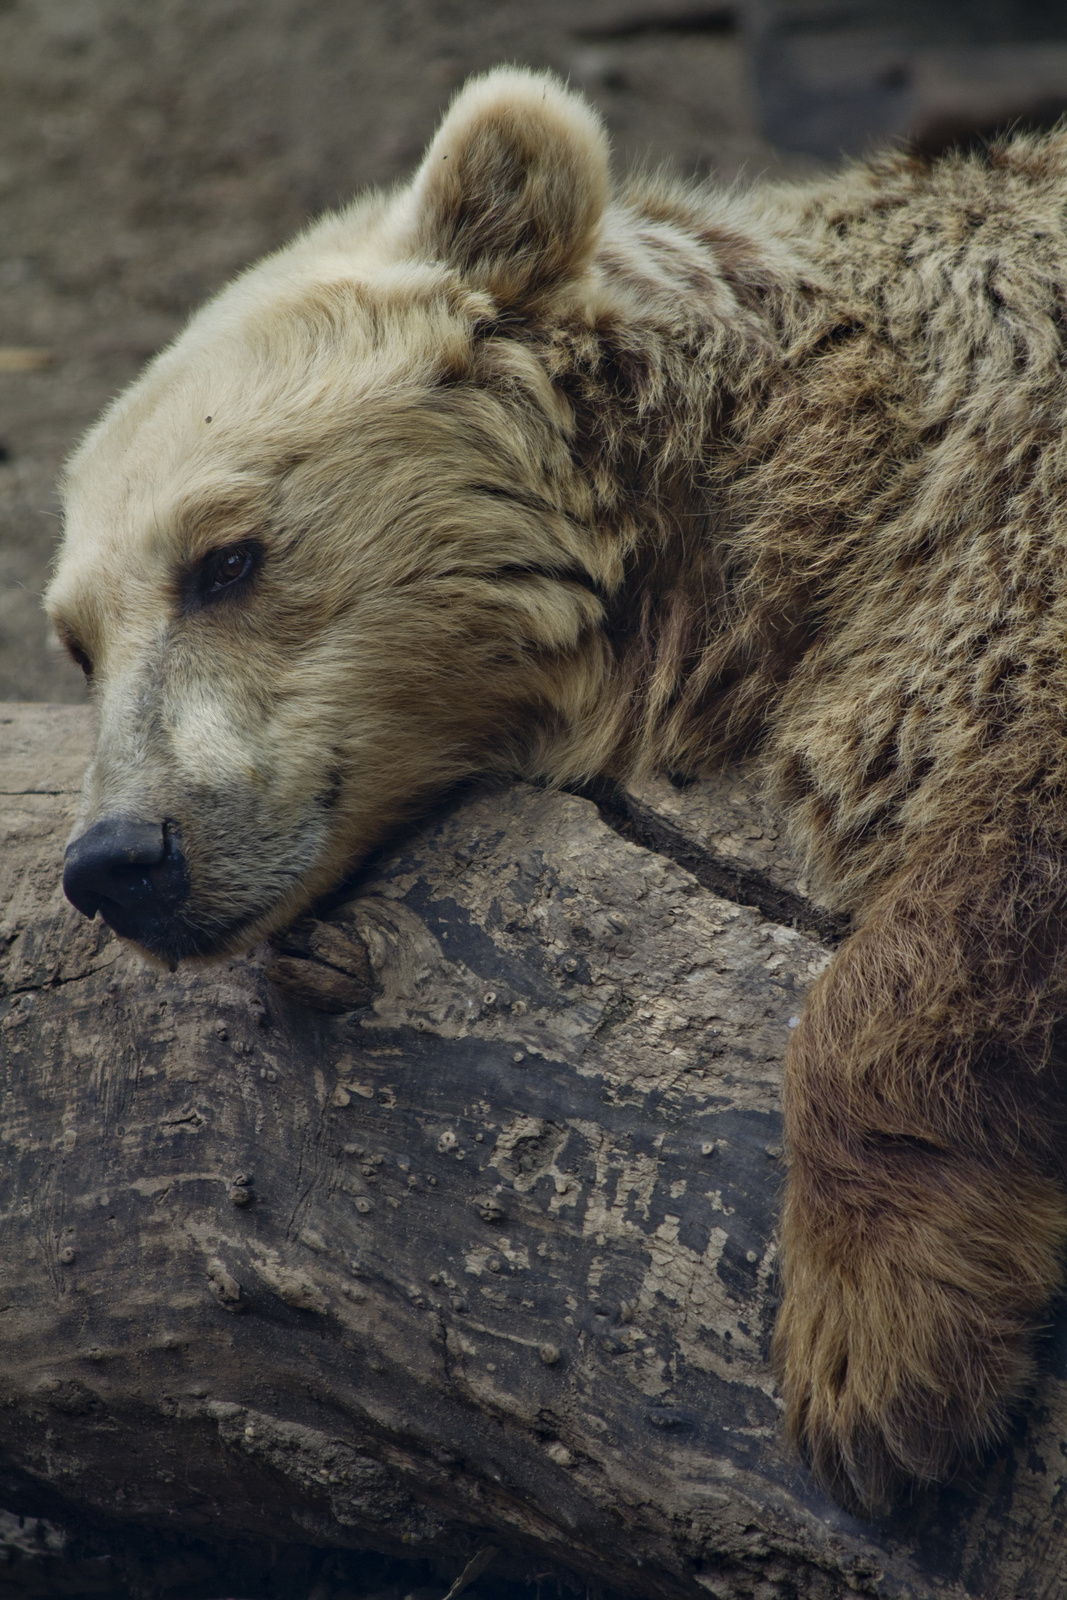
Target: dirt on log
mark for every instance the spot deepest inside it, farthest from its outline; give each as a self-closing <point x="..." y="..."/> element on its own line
<point x="449" y="1221"/>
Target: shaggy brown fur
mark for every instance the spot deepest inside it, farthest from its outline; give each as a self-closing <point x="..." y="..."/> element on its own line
<point x="544" y="484"/>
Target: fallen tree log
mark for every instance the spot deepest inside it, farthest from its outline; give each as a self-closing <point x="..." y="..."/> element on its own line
<point x="459" y="1232"/>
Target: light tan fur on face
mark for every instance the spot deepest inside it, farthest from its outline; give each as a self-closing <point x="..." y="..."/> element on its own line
<point x="552" y="481"/>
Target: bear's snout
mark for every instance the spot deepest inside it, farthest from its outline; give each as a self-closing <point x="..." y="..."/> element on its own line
<point x="134" y="874"/>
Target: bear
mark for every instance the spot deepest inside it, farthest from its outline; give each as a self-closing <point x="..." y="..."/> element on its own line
<point x="511" y="471"/>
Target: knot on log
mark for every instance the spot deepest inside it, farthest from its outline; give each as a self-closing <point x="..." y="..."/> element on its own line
<point x="323" y="965"/>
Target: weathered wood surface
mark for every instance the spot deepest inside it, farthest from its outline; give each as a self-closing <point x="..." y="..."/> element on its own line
<point x="485" y="1257"/>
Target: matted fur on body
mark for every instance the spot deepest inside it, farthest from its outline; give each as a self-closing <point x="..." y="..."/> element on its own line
<point x="501" y="473"/>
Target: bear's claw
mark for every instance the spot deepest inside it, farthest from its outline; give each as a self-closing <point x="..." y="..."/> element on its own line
<point x="907" y="1326"/>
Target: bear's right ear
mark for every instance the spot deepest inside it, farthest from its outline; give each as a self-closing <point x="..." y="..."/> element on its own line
<point x="513" y="188"/>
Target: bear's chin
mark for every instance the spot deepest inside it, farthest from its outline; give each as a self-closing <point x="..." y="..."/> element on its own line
<point x="175" y="939"/>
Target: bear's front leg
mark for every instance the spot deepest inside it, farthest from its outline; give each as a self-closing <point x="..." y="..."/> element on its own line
<point x="922" y="1227"/>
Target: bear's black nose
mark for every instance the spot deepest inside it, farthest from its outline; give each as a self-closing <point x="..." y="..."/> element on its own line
<point x="133" y="873"/>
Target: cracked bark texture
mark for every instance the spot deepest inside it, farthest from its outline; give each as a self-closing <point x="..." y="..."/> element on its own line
<point x="448" y="1221"/>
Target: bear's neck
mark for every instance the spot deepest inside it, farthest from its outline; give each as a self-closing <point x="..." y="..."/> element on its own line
<point x="713" y="394"/>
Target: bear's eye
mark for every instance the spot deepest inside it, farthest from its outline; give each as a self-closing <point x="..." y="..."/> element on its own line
<point x="220" y="574"/>
<point x="80" y="658"/>
<point x="226" y="567"/>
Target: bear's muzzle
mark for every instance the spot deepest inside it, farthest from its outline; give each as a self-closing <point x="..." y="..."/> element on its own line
<point x="134" y="874"/>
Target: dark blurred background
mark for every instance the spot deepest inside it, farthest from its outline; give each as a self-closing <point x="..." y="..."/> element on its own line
<point x="148" y="148"/>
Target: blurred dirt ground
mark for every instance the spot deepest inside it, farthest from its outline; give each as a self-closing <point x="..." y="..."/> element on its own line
<point x="148" y="151"/>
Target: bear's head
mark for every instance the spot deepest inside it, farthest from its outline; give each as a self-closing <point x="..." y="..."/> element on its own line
<point x="332" y="551"/>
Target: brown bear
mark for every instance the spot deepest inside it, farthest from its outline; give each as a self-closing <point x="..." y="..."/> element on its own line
<point x="508" y="472"/>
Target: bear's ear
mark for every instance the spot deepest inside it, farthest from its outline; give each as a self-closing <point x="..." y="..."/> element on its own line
<point x="513" y="188"/>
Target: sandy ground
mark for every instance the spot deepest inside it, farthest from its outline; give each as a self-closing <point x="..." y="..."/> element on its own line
<point x="149" y="151"/>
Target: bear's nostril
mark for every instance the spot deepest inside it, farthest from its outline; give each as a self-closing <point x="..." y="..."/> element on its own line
<point x="132" y="872"/>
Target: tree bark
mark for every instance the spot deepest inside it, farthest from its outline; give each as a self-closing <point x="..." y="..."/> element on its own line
<point x="458" y="1233"/>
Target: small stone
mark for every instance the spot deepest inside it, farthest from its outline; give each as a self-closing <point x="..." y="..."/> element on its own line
<point x="549" y="1354"/>
<point x="224" y="1286"/>
<point x="68" y="1256"/>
